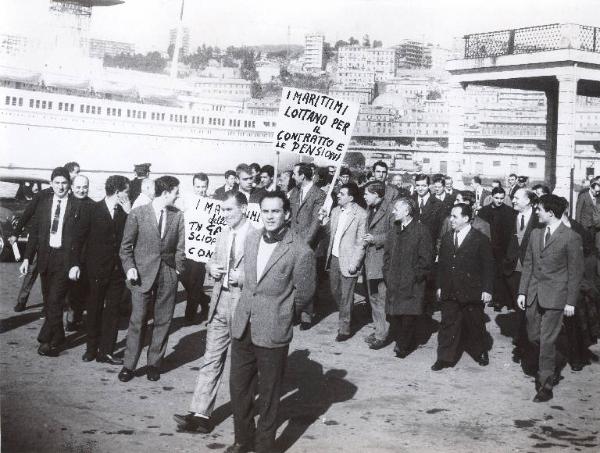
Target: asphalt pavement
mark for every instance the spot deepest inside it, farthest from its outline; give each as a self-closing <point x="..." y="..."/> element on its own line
<point x="338" y="397"/>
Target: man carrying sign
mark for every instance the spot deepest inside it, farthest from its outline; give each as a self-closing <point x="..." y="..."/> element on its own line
<point x="226" y="267"/>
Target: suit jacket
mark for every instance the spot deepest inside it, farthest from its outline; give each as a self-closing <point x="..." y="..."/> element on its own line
<point x="584" y="209"/>
<point x="447" y="204"/>
<point x="352" y="249"/>
<point x="502" y="224"/>
<point x="255" y="194"/>
<point x="431" y="216"/>
<point x="467" y="272"/>
<point x="379" y="226"/>
<point x="220" y="192"/>
<point x="484" y="199"/>
<point x="221" y="258"/>
<point x="135" y="188"/>
<point x="553" y="273"/>
<point x="516" y="252"/>
<point x="98" y="239"/>
<point x="478" y="223"/>
<point x="305" y="214"/>
<point x="30" y="210"/>
<point x="142" y="247"/>
<point x="286" y="285"/>
<point x="39" y="234"/>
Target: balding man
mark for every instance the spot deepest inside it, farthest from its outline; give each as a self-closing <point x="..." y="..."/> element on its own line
<point x="78" y="290"/>
<point x="146" y="195"/>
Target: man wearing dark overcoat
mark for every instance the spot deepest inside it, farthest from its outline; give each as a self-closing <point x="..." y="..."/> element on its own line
<point x="407" y="262"/>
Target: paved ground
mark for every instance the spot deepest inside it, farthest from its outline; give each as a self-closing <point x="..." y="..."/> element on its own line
<point x="338" y="397"/>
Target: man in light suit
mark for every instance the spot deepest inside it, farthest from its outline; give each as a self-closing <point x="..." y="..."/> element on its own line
<point x="226" y="268"/>
<point x="346" y="251"/>
<point x="379" y="222"/>
<point x="306" y="199"/>
<point x="152" y="253"/>
<point x="279" y="277"/>
<point x="552" y="273"/>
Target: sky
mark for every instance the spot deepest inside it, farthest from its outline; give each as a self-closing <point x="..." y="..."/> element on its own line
<point x="146" y="23"/>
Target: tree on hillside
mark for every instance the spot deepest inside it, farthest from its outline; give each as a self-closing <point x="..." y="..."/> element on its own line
<point x="352" y="41"/>
<point x="366" y="41"/>
<point x="377" y="43"/>
<point x="340" y="43"/>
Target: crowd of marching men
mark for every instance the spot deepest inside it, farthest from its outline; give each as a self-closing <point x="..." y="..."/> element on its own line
<point x="417" y="246"/>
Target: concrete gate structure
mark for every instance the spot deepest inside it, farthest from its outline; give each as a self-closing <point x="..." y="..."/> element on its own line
<point x="562" y="60"/>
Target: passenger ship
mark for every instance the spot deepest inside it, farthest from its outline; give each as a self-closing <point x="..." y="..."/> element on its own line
<point x="40" y="129"/>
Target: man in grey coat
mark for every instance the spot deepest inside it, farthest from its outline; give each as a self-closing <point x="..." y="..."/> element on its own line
<point x="552" y="273"/>
<point x="407" y="261"/>
<point x="379" y="222"/>
<point x="279" y="278"/>
<point x="226" y="268"/>
<point x="152" y="253"/>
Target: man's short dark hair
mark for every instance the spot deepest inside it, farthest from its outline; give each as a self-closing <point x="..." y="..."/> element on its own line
<point x="553" y="203"/>
<point x="61" y="171"/>
<point x="380" y="163"/>
<point x="165" y="184"/>
<point x="477" y="179"/>
<point x="70" y="166"/>
<point x="465" y="210"/>
<point x="422" y="177"/>
<point x="115" y="183"/>
<point x="200" y="177"/>
<point x="497" y="190"/>
<point x="305" y="169"/>
<point x="497" y="181"/>
<point x="439" y="178"/>
<point x="530" y="194"/>
<point x="595" y="183"/>
<point x="345" y="171"/>
<point x="229" y="173"/>
<point x="255" y="166"/>
<point x="376" y="187"/>
<point x="352" y="190"/>
<point x="277" y="194"/>
<point x="410" y="202"/>
<point x="468" y="197"/>
<point x="522" y="179"/>
<point x="239" y="197"/>
<point x="269" y="170"/>
<point x="513" y="175"/>
<point x="545" y="189"/>
<point x="243" y="168"/>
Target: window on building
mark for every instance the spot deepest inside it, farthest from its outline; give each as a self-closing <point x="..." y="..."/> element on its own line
<point x="532" y="165"/>
<point x="30" y="102"/>
<point x="7" y="102"/>
<point x="43" y="104"/>
<point x="20" y="102"/>
<point x="496" y="163"/>
<point x="49" y="105"/>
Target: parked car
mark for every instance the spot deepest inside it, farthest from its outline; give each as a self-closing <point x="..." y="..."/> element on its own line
<point x="15" y="194"/>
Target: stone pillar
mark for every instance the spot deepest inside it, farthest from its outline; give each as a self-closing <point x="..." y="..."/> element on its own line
<point x="565" y="133"/>
<point x="456" y="131"/>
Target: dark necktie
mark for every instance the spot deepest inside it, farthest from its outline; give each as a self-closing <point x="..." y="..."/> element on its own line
<point x="372" y="212"/>
<point x="547" y="237"/>
<point x="232" y="252"/>
<point x="455" y="241"/>
<point x="114" y="213"/>
<point x="522" y="226"/>
<point x="421" y="205"/>
<point x="160" y="223"/>
<point x="55" y="219"/>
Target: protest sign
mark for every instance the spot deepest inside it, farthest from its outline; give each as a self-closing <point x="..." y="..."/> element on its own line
<point x="203" y="223"/>
<point x="315" y="125"/>
<point x="253" y="215"/>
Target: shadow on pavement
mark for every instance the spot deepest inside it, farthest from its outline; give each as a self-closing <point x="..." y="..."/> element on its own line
<point x="14" y="322"/>
<point x="315" y="392"/>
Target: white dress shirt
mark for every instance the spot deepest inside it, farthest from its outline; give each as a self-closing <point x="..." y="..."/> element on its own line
<point x="264" y="254"/>
<point x="56" y="238"/>
<point x="552" y="228"/>
<point x="341" y="226"/>
<point x="110" y="204"/>
<point x="424" y="198"/>
<point x="240" y="238"/>
<point x="157" y="210"/>
<point x="460" y="235"/>
<point x="526" y="215"/>
<point x="304" y="191"/>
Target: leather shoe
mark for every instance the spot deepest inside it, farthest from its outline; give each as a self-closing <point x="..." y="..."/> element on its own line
<point x="401" y="353"/>
<point x="47" y="350"/>
<point x="125" y="375"/>
<point x="440" y="365"/>
<point x="20" y="307"/>
<point x="305" y="325"/>
<point x="342" y="337"/>
<point x="370" y="338"/>
<point x="377" y="344"/>
<point x="193" y="423"/>
<point x="543" y="395"/>
<point x="577" y="366"/>
<point x="483" y="359"/>
<point x="238" y="448"/>
<point x="110" y="359"/>
<point x="88" y="356"/>
<point x="556" y="378"/>
<point x="153" y="374"/>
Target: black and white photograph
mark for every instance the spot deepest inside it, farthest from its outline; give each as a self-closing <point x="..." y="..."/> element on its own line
<point x="299" y="226"/>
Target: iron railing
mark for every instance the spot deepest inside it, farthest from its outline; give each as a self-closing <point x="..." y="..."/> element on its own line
<point x="532" y="39"/>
